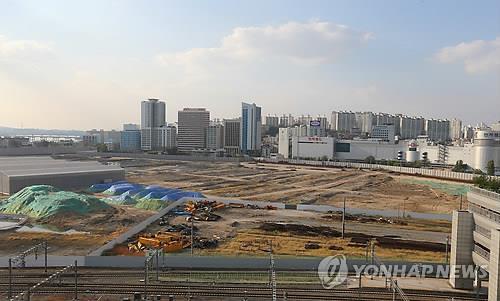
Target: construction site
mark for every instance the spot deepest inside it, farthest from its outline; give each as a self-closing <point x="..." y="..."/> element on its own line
<point x="86" y="219"/>
<point x="223" y="213"/>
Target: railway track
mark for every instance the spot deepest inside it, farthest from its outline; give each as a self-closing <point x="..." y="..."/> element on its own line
<point x="261" y="293"/>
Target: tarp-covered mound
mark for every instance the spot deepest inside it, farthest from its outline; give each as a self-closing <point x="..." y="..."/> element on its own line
<point x="152" y="197"/>
<point x="42" y="201"/>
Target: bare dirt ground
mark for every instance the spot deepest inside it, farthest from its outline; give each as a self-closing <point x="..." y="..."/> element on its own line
<point x="97" y="229"/>
<point x="245" y="231"/>
<point x="293" y="185"/>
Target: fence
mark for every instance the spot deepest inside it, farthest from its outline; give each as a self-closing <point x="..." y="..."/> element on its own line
<point x="434" y="173"/>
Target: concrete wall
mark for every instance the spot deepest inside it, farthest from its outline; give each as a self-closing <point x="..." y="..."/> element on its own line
<point x="65" y="181"/>
<point x="435" y="173"/>
<point x="360" y="150"/>
<point x="462" y="243"/>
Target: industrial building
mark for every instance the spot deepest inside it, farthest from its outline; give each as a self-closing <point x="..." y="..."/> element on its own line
<point x="475" y="241"/>
<point x="295" y="144"/>
<point x="19" y="172"/>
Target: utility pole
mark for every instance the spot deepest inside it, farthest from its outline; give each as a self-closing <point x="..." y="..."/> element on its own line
<point x="45" y="247"/>
<point x="447" y="251"/>
<point x="192" y="235"/>
<point x="343" y="221"/>
<point x="76" y="280"/>
<point x="461" y="202"/>
<point x="404" y="208"/>
<point x="10" y="278"/>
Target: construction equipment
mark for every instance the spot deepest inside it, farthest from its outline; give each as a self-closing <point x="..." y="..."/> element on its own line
<point x="168" y="241"/>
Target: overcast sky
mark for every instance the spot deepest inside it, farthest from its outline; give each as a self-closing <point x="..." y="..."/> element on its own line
<point x="88" y="64"/>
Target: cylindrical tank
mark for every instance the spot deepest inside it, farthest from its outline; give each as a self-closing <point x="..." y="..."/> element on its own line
<point x="484" y="150"/>
<point x="412" y="154"/>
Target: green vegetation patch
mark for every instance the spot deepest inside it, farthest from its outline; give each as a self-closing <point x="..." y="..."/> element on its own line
<point x="448" y="188"/>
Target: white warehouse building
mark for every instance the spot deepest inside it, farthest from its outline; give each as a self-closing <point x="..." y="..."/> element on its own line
<point x="486" y="147"/>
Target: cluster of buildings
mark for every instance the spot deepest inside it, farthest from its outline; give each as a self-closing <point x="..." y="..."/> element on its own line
<point x="194" y="132"/>
<point x="344" y="136"/>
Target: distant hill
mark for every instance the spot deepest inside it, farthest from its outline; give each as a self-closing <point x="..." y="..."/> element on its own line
<point x="6" y="131"/>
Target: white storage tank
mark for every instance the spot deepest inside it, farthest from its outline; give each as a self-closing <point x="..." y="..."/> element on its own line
<point x="412" y="154"/>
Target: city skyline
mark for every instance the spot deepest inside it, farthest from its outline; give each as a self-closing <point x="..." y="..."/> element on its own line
<point x="394" y="57"/>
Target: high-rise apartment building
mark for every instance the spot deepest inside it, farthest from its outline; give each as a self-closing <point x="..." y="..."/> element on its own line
<point x="286" y="120"/>
<point x="364" y="121"/>
<point x="153" y="117"/>
<point x="455" y="129"/>
<point x="192" y="124"/>
<point x="169" y="137"/>
<point x="214" y="136"/>
<point x="411" y="127"/>
<point x="232" y="136"/>
<point x="251" y="127"/>
<point x="273" y="121"/>
<point x="437" y="130"/>
<point x="343" y="121"/>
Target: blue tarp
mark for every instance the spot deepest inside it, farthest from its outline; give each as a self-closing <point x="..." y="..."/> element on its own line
<point x="122" y="188"/>
<point x="102" y="187"/>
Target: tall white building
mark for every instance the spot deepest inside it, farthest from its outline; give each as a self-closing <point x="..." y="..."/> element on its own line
<point x="343" y="121"/>
<point x="215" y="136"/>
<point x="411" y="127"/>
<point x="169" y="137"/>
<point x="273" y="121"/>
<point x="192" y="124"/>
<point x="251" y="127"/>
<point x="286" y="120"/>
<point x="455" y="129"/>
<point x="437" y="129"/>
<point x="153" y="112"/>
<point x="364" y="121"/>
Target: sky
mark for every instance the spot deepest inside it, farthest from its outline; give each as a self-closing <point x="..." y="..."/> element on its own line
<point x="88" y="64"/>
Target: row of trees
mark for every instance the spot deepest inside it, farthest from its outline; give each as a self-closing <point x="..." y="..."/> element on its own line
<point x="487" y="183"/>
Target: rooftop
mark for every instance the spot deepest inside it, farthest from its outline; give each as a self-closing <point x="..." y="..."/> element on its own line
<point x="30" y="166"/>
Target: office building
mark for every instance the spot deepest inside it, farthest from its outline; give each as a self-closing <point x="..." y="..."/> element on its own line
<point x="130" y="138"/>
<point x="250" y="128"/>
<point x="384" y="132"/>
<point x="437" y="130"/>
<point x="232" y="136"/>
<point x="215" y="136"/>
<point x="153" y="112"/>
<point x="192" y="124"/>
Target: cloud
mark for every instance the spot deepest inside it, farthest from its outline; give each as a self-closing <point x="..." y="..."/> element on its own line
<point x="478" y="56"/>
<point x="21" y="49"/>
<point x="309" y="43"/>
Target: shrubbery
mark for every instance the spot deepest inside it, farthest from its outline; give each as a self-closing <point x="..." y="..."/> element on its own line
<point x="487" y="183"/>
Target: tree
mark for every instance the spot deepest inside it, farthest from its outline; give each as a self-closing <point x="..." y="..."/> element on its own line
<point x="102" y="148"/>
<point x="370" y="160"/>
<point x="491" y="168"/>
<point x="460" y="166"/>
